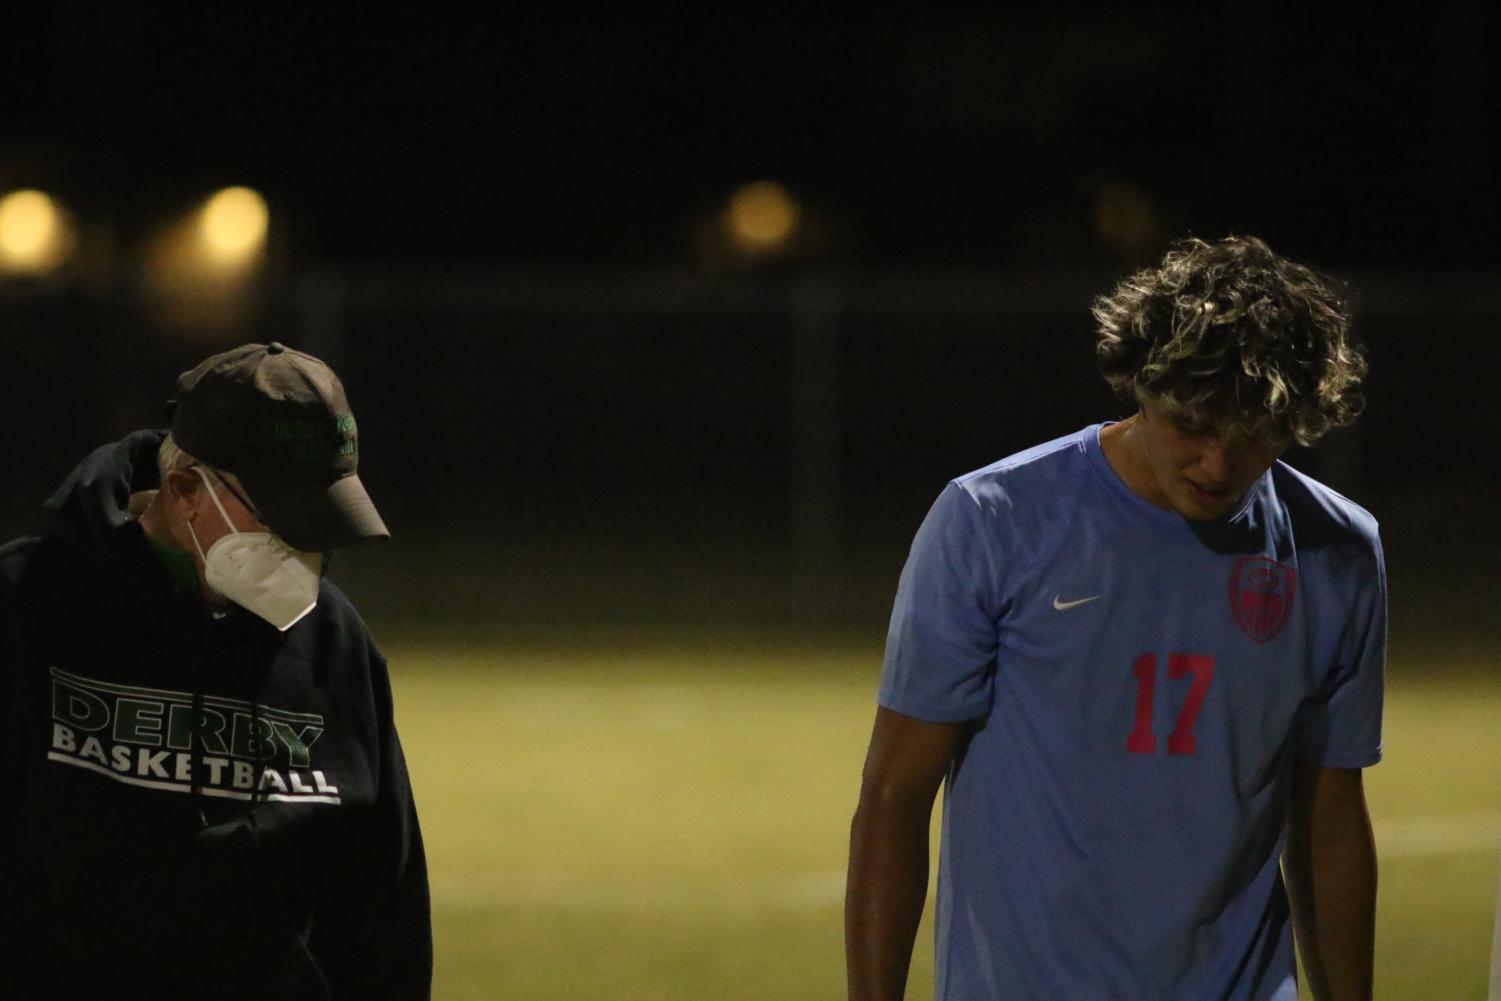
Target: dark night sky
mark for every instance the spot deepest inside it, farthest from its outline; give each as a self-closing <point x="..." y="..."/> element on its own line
<point x="947" y="139"/>
<point x="577" y="147"/>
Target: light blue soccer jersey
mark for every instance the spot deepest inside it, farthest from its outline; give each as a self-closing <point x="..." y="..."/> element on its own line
<point x="1141" y="684"/>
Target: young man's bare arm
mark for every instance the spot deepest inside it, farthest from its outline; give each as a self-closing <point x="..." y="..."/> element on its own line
<point x="1330" y="867"/>
<point x="888" y="874"/>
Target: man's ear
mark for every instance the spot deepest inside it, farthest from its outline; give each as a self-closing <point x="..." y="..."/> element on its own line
<point x="180" y="488"/>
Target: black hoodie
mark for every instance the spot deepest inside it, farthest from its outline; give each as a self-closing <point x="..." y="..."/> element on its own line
<point x="277" y="855"/>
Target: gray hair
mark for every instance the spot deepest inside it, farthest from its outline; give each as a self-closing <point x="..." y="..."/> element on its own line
<point x="1236" y="335"/>
<point x="172" y="456"/>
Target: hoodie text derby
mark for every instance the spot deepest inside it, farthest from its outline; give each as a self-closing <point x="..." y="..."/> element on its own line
<point x="118" y="730"/>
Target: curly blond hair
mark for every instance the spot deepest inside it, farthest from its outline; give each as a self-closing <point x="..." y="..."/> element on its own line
<point x="1235" y="336"/>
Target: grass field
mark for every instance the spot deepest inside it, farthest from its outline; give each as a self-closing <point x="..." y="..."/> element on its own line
<point x="636" y="819"/>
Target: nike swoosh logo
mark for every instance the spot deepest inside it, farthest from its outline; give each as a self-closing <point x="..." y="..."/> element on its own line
<point x="1064" y="606"/>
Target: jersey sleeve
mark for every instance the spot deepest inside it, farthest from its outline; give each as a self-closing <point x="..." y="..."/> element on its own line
<point x="941" y="646"/>
<point x="1340" y="726"/>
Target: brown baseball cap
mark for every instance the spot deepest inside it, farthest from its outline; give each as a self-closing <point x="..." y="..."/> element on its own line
<point x="279" y="421"/>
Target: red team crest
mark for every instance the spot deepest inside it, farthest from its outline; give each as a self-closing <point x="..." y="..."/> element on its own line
<point x="1261" y="596"/>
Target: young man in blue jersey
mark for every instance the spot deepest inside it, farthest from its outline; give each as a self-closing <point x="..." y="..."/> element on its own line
<point x="1147" y="659"/>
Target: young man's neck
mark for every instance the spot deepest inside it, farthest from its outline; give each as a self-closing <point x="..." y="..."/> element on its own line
<point x="1122" y="451"/>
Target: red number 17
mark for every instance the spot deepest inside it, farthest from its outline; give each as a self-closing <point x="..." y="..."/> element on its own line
<point x="1182" y="739"/>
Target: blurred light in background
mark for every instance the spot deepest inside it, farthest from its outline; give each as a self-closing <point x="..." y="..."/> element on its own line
<point x="203" y="275"/>
<point x="35" y="235"/>
<point x="233" y="225"/>
<point x="762" y="216"/>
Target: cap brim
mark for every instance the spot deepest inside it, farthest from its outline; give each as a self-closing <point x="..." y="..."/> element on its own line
<point x="318" y="517"/>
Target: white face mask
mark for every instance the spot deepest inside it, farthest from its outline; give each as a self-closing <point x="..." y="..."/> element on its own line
<point x="260" y="572"/>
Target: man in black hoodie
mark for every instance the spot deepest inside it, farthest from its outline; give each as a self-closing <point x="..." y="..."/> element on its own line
<point x="203" y="795"/>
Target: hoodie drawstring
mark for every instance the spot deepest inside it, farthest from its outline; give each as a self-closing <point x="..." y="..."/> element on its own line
<point x="196" y="737"/>
<point x="255" y="738"/>
<point x="248" y="658"/>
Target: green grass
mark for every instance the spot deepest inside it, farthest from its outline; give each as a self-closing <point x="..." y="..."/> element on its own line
<point x="1435" y="908"/>
<point x="623" y="819"/>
